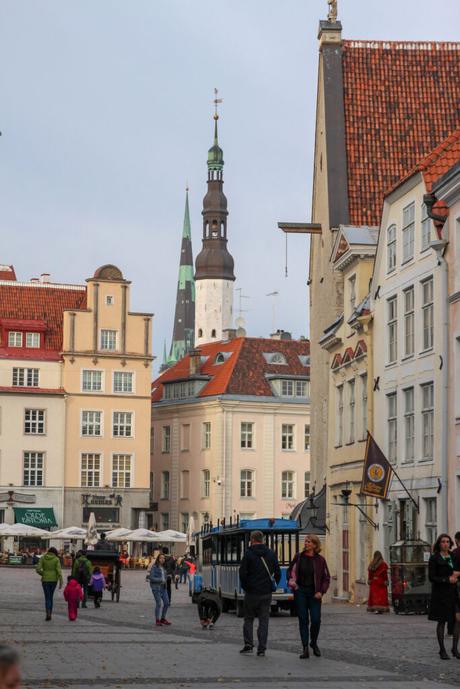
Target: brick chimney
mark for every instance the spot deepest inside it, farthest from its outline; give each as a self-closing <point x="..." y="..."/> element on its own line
<point x="195" y="361"/>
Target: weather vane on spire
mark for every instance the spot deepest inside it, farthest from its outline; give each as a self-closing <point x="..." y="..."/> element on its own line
<point x="217" y="101"/>
<point x="332" y="15"/>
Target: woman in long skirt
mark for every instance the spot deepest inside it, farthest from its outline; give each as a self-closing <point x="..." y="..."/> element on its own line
<point x="378" y="585"/>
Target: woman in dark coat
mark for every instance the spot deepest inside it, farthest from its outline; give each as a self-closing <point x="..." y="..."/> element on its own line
<point x="444" y="603"/>
<point x="309" y="578"/>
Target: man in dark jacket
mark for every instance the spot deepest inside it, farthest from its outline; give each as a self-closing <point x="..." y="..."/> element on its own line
<point x="259" y="568"/>
<point x="170" y="567"/>
<point x="82" y="570"/>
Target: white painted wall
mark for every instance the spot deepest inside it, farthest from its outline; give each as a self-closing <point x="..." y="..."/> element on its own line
<point x="213" y="310"/>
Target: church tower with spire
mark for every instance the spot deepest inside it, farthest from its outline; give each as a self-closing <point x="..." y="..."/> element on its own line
<point x="184" y="317"/>
<point x="214" y="265"/>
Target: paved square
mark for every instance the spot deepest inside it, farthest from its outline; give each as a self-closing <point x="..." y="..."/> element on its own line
<point x="118" y="646"/>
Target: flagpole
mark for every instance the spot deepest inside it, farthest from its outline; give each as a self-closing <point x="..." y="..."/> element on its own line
<point x="417" y="507"/>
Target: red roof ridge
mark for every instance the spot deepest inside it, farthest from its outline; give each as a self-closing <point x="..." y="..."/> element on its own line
<point x="400" y="45"/>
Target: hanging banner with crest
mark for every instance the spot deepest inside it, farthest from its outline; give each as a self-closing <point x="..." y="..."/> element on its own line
<point x="377" y="471"/>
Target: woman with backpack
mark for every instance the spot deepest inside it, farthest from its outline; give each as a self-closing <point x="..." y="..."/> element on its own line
<point x="81" y="571"/>
<point x="49" y="568"/>
<point x="157" y="579"/>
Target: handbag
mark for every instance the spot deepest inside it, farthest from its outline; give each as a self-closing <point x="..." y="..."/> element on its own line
<point x="272" y="578"/>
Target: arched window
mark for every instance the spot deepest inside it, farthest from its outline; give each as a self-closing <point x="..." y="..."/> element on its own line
<point x="200" y="332"/>
<point x="213" y="332"/>
<point x="278" y="358"/>
<point x="220" y="358"/>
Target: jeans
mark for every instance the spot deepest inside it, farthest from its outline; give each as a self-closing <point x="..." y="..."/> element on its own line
<point x="97" y="598"/>
<point x="48" y="589"/>
<point x="256" y="606"/>
<point x="161" y="597"/>
<point x="308" y="611"/>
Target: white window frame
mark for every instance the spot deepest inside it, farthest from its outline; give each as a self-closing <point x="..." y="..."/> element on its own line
<point x="247" y="435"/>
<point x="121" y="423"/>
<point x="288" y="443"/>
<point x="247" y="483"/>
<point x="28" y="376"/>
<point x="33" y="471"/>
<point x="184" y="484"/>
<point x="288" y="484"/>
<point x="99" y="472"/>
<point x="352" y="408"/>
<point x="427" y="314"/>
<point x="33" y="340"/>
<point x="339" y="398"/>
<point x="109" y="300"/>
<point x="408" y="233"/>
<point x="431" y="519"/>
<point x="409" y="321"/>
<point x="391" y="248"/>
<point x="392" y="427"/>
<point x="185" y="521"/>
<point x="91" y="423"/>
<point x="392" y="329"/>
<point x="124" y="472"/>
<point x="352" y="287"/>
<point x="306" y="483"/>
<point x="104" y="337"/>
<point x="35" y="420"/>
<point x="165" y="521"/>
<point x="306" y="437"/>
<point x="364" y="404"/>
<point x="426" y="229"/>
<point x="409" y="425"/>
<point x="205" y="483"/>
<point x="165" y="484"/>
<point x="166" y="439"/>
<point x="427" y="409"/>
<point x="206" y="440"/>
<point x="15" y="339"/>
<point x="124" y="375"/>
<point x="92" y="371"/>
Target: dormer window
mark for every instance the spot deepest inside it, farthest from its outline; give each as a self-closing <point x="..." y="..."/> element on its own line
<point x="14" y="339"/>
<point x="33" y="340"/>
<point x="222" y="357"/>
<point x="276" y="358"/>
<point x="304" y="360"/>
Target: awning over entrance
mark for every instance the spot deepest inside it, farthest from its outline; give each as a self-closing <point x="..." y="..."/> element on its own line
<point x="43" y="517"/>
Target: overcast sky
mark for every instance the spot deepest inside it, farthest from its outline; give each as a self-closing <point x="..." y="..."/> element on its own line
<point x="106" y="113"/>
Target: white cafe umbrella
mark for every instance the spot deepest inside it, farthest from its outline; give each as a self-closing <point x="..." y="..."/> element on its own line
<point x="22" y="530"/>
<point x="68" y="534"/>
<point x="143" y="536"/>
<point x="190" y="531"/>
<point x="91" y="533"/>
<point x="172" y="536"/>
<point x="117" y="534"/>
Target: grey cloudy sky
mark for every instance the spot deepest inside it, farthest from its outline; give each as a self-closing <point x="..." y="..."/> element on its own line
<point x="106" y="112"/>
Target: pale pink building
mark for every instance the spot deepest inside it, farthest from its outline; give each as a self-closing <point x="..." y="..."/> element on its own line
<point x="447" y="192"/>
<point x="231" y="432"/>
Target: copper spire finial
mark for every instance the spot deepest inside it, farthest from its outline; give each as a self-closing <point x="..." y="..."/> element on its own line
<point x="332" y="14"/>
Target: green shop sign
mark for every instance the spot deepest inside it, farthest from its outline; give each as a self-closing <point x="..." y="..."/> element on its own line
<point x="42" y="517"/>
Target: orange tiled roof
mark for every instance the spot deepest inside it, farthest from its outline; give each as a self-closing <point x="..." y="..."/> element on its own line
<point x="401" y="100"/>
<point x="244" y="371"/>
<point x="29" y="301"/>
<point x="7" y="273"/>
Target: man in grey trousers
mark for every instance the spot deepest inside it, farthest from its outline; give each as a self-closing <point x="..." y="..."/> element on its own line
<point x="259" y="568"/>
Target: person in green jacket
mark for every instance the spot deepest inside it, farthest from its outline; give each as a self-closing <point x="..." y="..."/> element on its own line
<point x="49" y="568"/>
<point x="82" y="570"/>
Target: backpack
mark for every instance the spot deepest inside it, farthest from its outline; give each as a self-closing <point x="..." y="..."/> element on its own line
<point x="82" y="572"/>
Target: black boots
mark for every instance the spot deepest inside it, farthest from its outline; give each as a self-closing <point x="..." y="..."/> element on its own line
<point x="315" y="649"/>
<point x="443" y="654"/>
<point x="305" y="653"/>
<point x="48" y="615"/>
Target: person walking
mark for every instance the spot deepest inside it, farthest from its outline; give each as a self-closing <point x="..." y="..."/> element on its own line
<point x="444" y="604"/>
<point x="49" y="569"/>
<point x="98" y="584"/>
<point x="378" y="585"/>
<point x="259" y="575"/>
<point x="73" y="594"/>
<point x="309" y="578"/>
<point x="157" y="579"/>
<point x="82" y="570"/>
<point x="170" y="566"/>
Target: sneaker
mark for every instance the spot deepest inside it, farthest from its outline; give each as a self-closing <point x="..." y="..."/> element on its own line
<point x="165" y="621"/>
<point x="246" y="649"/>
<point x="211" y="625"/>
<point x="261" y="652"/>
<point x="158" y="623"/>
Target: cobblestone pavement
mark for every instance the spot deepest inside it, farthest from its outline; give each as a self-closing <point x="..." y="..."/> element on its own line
<point x="117" y="646"/>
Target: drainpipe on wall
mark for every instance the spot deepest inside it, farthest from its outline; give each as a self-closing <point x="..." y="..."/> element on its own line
<point x="439" y="245"/>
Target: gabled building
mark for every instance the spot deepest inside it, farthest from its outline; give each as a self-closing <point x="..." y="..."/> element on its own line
<point x="231" y="432"/>
<point x="409" y="295"/>
<point x="348" y="342"/>
<point x="381" y="106"/>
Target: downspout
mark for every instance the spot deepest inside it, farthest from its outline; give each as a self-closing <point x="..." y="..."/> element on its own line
<point x="439" y="246"/>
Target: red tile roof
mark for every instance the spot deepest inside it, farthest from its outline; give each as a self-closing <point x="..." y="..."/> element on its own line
<point x="401" y="100"/>
<point x="42" y="302"/>
<point x="244" y="371"/>
<point x="38" y="391"/>
<point x="7" y="273"/>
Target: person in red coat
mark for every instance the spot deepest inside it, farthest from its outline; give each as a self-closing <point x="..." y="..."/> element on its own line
<point x="73" y="594"/>
<point x="378" y="585"/>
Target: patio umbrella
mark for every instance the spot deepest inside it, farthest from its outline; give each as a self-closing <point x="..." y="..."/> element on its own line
<point x="91" y="533"/>
<point x="172" y="536"/>
<point x="190" y="531"/>
<point x="22" y="530"/>
<point x="118" y="534"/>
<point x="68" y="534"/>
<point x="143" y="536"/>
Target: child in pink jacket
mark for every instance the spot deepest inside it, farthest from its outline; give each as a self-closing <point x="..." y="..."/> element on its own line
<point x="73" y="594"/>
